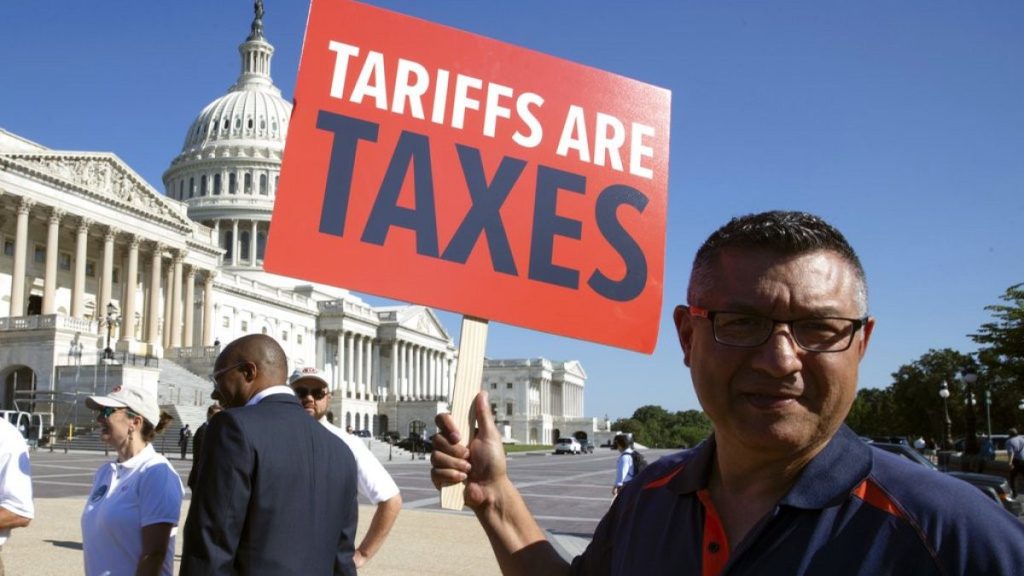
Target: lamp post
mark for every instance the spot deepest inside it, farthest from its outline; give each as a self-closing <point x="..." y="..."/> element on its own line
<point x="112" y="318"/>
<point x="947" y="439"/>
<point x="969" y="377"/>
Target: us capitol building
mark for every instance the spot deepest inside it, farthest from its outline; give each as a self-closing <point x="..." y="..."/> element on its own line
<point x="105" y="280"/>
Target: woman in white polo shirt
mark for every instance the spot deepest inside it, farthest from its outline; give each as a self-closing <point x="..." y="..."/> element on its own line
<point x="132" y="512"/>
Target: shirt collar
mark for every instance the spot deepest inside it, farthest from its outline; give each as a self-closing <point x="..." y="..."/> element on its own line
<point x="139" y="459"/>
<point x="844" y="462"/>
<point x="279" y="389"/>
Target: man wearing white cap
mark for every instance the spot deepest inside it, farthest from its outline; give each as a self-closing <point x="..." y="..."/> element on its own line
<point x="130" y="518"/>
<point x="16" y="508"/>
<point x="374" y="482"/>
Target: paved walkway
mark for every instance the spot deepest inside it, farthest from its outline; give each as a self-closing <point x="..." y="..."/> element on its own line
<point x="422" y="543"/>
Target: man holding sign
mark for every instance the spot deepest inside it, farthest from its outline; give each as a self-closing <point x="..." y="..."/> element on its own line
<point x="775" y="329"/>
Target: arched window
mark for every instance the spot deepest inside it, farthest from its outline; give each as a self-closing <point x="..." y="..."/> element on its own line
<point x="202" y="185"/>
<point x="261" y="244"/>
<point x="232" y="183"/>
<point x="181" y="189"/>
<point x="216" y="184"/>
<point x="263" y="184"/>
<point x="243" y="249"/>
<point x="247" y="188"/>
<point x="228" y="245"/>
<point x="191" y="186"/>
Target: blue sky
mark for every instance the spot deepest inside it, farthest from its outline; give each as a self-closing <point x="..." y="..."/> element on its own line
<point x="901" y="122"/>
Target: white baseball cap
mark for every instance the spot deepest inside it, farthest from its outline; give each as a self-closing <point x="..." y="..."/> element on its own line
<point x="307" y="373"/>
<point x="132" y="396"/>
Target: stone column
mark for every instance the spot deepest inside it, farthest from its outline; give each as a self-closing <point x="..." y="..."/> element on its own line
<point x="349" y="365"/>
<point x="129" y="283"/>
<point x="78" y="291"/>
<point x="107" y="282"/>
<point x="321" y="343"/>
<point x="340" y="367"/>
<point x="360" y="347"/>
<point x="168" y="301"/>
<point x="393" y="392"/>
<point x="50" y="281"/>
<point x="368" y="380"/>
<point x="190" y="306"/>
<point x="252" y="245"/>
<point x="153" y="311"/>
<point x="234" y="243"/>
<point x="208" y="318"/>
<point x="175" y="290"/>
<point x="20" y="258"/>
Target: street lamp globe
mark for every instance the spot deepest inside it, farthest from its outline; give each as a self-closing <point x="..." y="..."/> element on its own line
<point x="944" y="391"/>
<point x="947" y="440"/>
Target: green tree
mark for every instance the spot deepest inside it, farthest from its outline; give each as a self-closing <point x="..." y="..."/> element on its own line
<point x="1002" y="340"/>
<point x="1002" y="358"/>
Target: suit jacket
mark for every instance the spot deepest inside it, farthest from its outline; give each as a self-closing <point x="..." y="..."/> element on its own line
<point x="197" y="451"/>
<point x="276" y="494"/>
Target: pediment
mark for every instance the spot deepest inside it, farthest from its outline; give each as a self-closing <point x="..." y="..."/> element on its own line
<point x="98" y="175"/>
<point x="423" y="320"/>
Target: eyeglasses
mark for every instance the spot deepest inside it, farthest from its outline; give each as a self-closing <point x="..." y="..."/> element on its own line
<point x="316" y="393"/>
<point x="217" y="374"/>
<point x="741" y="330"/>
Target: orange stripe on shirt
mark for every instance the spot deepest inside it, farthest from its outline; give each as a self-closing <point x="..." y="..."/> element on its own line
<point x="659" y="482"/>
<point x="715" y="546"/>
<point x="871" y="493"/>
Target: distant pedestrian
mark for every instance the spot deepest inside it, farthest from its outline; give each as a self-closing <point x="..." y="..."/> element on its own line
<point x="1015" y="452"/>
<point x="625" y="468"/>
<point x="197" y="444"/>
<point x="183" y="437"/>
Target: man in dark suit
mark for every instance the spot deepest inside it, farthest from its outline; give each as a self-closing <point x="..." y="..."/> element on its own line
<point x="269" y="477"/>
<point x="197" y="444"/>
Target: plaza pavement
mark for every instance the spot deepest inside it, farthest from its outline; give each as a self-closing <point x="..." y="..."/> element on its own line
<point x="423" y="542"/>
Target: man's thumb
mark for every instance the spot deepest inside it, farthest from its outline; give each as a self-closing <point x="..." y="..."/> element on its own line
<point x="484" y="418"/>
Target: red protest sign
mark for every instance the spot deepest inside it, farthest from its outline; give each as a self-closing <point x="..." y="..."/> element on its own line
<point x="439" y="167"/>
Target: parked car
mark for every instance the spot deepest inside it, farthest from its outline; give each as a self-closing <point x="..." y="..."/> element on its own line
<point x="996" y="487"/>
<point x="363" y="434"/>
<point x="586" y="446"/>
<point x="415" y="444"/>
<point x="568" y="446"/>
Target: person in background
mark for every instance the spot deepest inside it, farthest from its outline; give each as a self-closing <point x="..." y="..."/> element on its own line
<point x="134" y="505"/>
<point x="375" y="484"/>
<point x="774" y="331"/>
<point x="276" y="492"/>
<point x="183" y="437"/>
<point x="624" y="464"/>
<point x="197" y="444"/>
<point x="16" y="508"/>
<point x="1015" y="456"/>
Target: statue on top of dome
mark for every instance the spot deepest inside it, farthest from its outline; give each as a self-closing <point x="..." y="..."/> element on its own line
<point x="257" y="22"/>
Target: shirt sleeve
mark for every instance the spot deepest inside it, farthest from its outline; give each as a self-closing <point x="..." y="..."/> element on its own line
<point x="16" y="479"/>
<point x="625" y="464"/>
<point x="374" y="481"/>
<point x="160" y="494"/>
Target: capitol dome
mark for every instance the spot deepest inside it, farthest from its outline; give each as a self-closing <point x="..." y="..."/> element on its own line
<point x="228" y="167"/>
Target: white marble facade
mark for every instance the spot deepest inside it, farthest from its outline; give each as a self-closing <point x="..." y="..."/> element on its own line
<point x="83" y="234"/>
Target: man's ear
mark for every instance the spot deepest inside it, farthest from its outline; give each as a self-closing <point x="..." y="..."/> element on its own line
<point x="250" y="370"/>
<point x="684" y="330"/>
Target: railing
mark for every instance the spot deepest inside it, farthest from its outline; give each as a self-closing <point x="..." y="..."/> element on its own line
<point x="196" y="352"/>
<point x="48" y="322"/>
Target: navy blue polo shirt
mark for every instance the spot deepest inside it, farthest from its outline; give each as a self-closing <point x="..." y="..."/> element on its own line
<point x="853" y="510"/>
